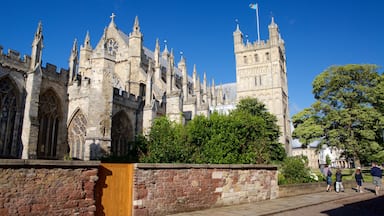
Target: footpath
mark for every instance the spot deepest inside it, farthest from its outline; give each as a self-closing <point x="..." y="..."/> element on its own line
<point x="280" y="205"/>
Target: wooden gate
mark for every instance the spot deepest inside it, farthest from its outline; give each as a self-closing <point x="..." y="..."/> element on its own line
<point x="114" y="190"/>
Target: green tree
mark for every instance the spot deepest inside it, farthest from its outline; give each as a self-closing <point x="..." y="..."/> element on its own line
<point x="247" y="135"/>
<point x="345" y="113"/>
<point x="166" y="143"/>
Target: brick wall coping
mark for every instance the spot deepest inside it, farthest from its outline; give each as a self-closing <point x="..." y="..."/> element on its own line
<point x="203" y="166"/>
<point x="47" y="163"/>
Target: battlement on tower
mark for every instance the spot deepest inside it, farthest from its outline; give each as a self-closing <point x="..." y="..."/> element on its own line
<point x="50" y="71"/>
<point x="13" y="60"/>
<point x="257" y="45"/>
<point x="124" y="97"/>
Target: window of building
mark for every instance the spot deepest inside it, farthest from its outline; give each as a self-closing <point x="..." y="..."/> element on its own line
<point x="142" y="90"/>
<point x="122" y="135"/>
<point x="76" y="135"/>
<point x="267" y="56"/>
<point x="245" y="60"/>
<point x="49" y="119"/>
<point x="9" y="145"/>
<point x="256" y="58"/>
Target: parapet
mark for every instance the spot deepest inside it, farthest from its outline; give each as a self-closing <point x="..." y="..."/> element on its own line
<point x="13" y="60"/>
<point x="50" y="70"/>
<point x="123" y="96"/>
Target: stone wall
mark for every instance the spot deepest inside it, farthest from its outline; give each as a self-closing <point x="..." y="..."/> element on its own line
<point x="161" y="189"/>
<point x="45" y="187"/>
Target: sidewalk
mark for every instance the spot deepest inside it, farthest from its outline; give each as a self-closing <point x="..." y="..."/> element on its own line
<point x="270" y="207"/>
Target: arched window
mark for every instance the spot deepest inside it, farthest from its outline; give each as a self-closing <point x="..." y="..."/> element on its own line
<point x="122" y="134"/>
<point x="245" y="60"/>
<point x="256" y="58"/>
<point x="142" y="90"/>
<point x="267" y="56"/>
<point x="49" y="119"/>
<point x="76" y="135"/>
<point x="9" y="136"/>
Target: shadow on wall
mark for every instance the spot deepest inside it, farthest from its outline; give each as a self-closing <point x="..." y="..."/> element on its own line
<point x="100" y="186"/>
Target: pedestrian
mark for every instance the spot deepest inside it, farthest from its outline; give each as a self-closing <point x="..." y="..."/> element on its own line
<point x="377" y="174"/>
<point x="328" y="177"/>
<point x="339" y="181"/>
<point x="359" y="180"/>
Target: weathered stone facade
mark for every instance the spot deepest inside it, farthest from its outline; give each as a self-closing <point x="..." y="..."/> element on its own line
<point x="261" y="73"/>
<point x="161" y="189"/>
<point x="114" y="91"/>
<point x="37" y="187"/>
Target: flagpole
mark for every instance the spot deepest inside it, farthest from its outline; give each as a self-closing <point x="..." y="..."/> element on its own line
<point x="257" y="23"/>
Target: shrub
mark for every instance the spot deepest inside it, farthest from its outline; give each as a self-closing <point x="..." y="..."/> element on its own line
<point x="295" y="170"/>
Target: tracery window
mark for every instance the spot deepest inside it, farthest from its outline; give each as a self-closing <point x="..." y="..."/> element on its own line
<point x="76" y="135"/>
<point x="9" y="145"/>
<point x="49" y="119"/>
<point x="122" y="135"/>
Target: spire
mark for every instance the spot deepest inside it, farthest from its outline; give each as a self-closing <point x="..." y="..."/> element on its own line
<point x="237" y="26"/>
<point x="274" y="35"/>
<point x="165" y="51"/>
<point x="87" y="41"/>
<point x="39" y="31"/>
<point x="172" y="58"/>
<point x="136" y="26"/>
<point x="194" y="77"/>
<point x="157" y="54"/>
<point x="37" y="46"/>
<point x="73" y="62"/>
<point x="205" y="83"/>
<point x="273" y="24"/>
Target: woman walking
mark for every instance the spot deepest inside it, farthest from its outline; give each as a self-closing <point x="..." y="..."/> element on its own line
<point x="359" y="179"/>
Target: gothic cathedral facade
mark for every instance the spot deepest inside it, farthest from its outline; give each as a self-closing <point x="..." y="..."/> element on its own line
<point x="114" y="91"/>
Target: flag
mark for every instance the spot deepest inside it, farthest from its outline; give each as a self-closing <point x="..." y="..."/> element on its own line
<point x="253" y="6"/>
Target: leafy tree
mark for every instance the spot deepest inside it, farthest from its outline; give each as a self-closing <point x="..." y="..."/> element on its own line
<point x="328" y="159"/>
<point x="166" y="143"/>
<point x="346" y="112"/>
<point x="247" y="135"/>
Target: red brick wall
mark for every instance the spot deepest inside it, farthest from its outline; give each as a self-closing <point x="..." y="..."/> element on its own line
<point x="161" y="189"/>
<point x="47" y="187"/>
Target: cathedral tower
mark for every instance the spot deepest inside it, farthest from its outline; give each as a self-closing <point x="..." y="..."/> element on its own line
<point x="261" y="73"/>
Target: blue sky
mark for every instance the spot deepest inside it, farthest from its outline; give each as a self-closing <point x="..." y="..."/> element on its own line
<point x="317" y="34"/>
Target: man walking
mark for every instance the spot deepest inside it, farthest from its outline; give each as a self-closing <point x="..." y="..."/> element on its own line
<point x="377" y="174"/>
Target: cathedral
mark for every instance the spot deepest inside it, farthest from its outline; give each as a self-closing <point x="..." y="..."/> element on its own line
<point x="112" y="92"/>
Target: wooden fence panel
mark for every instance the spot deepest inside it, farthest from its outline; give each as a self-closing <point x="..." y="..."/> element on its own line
<point x="114" y="190"/>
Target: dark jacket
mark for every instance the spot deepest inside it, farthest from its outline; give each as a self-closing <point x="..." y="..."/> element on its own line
<point x="339" y="177"/>
<point x="376" y="171"/>
<point x="359" y="176"/>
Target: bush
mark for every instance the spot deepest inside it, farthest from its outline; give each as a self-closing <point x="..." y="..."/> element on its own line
<point x="295" y="170"/>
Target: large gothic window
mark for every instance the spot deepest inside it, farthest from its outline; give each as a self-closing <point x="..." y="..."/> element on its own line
<point x="76" y="135"/>
<point x="122" y="134"/>
<point x="49" y="117"/>
<point x="9" y="136"/>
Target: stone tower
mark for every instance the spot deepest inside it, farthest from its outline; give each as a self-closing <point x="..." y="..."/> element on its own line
<point x="261" y="73"/>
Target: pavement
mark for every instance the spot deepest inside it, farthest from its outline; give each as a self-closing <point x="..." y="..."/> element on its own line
<point x="280" y="205"/>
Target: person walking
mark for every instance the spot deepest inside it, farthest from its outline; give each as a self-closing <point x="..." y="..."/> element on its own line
<point x="359" y="180"/>
<point x="339" y="181"/>
<point x="328" y="177"/>
<point x="377" y="174"/>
